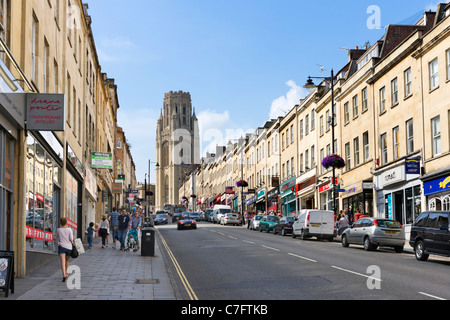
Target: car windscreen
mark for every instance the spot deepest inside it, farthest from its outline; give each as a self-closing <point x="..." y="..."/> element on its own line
<point x="389" y="224"/>
<point x="258" y="217"/>
<point x="160" y="216"/>
<point x="272" y="219"/>
<point x="224" y="210"/>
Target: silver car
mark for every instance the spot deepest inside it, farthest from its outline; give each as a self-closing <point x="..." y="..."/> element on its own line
<point x="230" y="218"/>
<point x="254" y="222"/>
<point x="374" y="232"/>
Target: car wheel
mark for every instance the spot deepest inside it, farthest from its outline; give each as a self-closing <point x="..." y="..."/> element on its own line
<point x="283" y="232"/>
<point x="293" y="234"/>
<point x="267" y="230"/>
<point x="344" y="240"/>
<point x="260" y="229"/>
<point x="419" y="248"/>
<point x="398" y="249"/>
<point x="274" y="231"/>
<point x="367" y="245"/>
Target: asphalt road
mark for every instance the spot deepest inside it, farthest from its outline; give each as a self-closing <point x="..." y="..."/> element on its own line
<point x="233" y="263"/>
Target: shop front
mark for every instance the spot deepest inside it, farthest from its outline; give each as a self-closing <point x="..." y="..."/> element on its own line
<point x="359" y="196"/>
<point x="261" y="201"/>
<point x="272" y="200"/>
<point x="326" y="196"/>
<point x="305" y="191"/>
<point x="250" y="203"/>
<point x="43" y="192"/>
<point x="437" y="190"/>
<point x="7" y="143"/>
<point x="288" y="198"/>
<point x="74" y="192"/>
<point x="399" y="195"/>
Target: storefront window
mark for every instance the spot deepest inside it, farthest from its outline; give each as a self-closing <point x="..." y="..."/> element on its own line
<point x="41" y="212"/>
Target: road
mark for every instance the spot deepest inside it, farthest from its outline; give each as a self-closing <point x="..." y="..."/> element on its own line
<point x="233" y="263"/>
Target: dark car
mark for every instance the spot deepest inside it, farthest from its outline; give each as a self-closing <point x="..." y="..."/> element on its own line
<point x="284" y="226"/>
<point x="160" y="218"/>
<point x="430" y="234"/>
<point x="176" y="217"/>
<point x="186" y="222"/>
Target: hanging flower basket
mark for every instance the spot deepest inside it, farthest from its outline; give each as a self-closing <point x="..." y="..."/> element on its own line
<point x="193" y="196"/>
<point x="242" y="183"/>
<point x="184" y="198"/>
<point x="333" y="161"/>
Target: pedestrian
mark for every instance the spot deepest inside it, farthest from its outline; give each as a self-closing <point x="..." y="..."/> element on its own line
<point x="90" y="234"/>
<point x="104" y="229"/>
<point x="64" y="240"/>
<point x="123" y="227"/>
<point x="135" y="223"/>
<point x="113" y="222"/>
<point x="343" y="224"/>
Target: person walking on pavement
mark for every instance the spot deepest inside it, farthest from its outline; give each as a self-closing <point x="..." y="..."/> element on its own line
<point x="64" y="240"/>
<point x="123" y="227"/>
<point x="135" y="224"/>
<point x="114" y="220"/>
<point x="343" y="224"/>
<point x="104" y="230"/>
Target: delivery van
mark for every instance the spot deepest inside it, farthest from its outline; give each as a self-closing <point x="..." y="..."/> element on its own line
<point x="315" y="223"/>
<point x="219" y="211"/>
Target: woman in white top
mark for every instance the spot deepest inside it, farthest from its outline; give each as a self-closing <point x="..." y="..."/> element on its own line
<point x="64" y="240"/>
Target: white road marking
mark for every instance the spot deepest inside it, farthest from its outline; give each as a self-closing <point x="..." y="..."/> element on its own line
<point x="431" y="296"/>
<point x="359" y="274"/>
<point x="270" y="248"/>
<point x="297" y="256"/>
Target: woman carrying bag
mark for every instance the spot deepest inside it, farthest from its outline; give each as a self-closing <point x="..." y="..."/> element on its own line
<point x="64" y="240"/>
<point x="104" y="230"/>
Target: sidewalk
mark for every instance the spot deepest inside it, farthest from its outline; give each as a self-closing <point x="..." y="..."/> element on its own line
<point x="106" y="274"/>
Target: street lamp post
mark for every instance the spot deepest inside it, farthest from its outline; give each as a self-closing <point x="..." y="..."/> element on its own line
<point x="310" y="85"/>
<point x="149" y="183"/>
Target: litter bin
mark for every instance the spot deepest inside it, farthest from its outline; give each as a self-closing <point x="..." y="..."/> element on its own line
<point x="148" y="242"/>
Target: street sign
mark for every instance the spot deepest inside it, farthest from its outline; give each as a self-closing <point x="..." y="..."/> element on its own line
<point x="102" y="160"/>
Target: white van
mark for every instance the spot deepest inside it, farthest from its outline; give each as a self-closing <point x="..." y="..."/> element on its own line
<point x="219" y="211"/>
<point x="315" y="223"/>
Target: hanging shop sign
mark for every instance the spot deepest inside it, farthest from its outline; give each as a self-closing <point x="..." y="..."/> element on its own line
<point x="45" y="112"/>
<point x="102" y="160"/>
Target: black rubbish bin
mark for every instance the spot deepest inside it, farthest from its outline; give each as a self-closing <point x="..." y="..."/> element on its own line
<point x="148" y="242"/>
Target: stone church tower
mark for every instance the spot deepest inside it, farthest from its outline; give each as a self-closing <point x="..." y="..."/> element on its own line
<point x="177" y="146"/>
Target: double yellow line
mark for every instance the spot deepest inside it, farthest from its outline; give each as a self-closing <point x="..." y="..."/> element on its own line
<point x="185" y="282"/>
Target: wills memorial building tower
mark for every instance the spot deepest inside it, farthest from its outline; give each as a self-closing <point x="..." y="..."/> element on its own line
<point x="177" y="146"/>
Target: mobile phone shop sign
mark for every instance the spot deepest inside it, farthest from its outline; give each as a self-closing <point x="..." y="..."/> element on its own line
<point x="45" y="112"/>
<point x="102" y="160"/>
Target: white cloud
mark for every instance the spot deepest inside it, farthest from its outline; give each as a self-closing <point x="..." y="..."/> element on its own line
<point x="217" y="129"/>
<point x="284" y="104"/>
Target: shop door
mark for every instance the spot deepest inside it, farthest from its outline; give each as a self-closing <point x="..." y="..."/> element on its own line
<point x="398" y="206"/>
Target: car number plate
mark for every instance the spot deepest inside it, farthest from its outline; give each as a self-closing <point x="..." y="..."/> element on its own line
<point x="390" y="232"/>
<point x="187" y="225"/>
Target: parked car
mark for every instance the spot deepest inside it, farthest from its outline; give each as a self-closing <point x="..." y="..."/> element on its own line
<point x="374" y="232"/>
<point x="315" y="223"/>
<point x="267" y="223"/>
<point x="160" y="218"/>
<point x="230" y="218"/>
<point x="430" y="234"/>
<point x="254" y="222"/>
<point x="284" y="226"/>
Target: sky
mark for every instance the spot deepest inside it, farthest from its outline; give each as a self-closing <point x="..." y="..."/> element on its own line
<point x="243" y="61"/>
